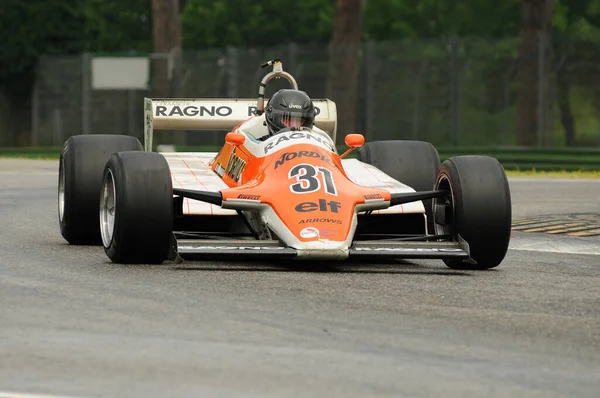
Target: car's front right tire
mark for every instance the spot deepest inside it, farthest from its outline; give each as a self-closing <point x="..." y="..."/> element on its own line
<point x="136" y="208"/>
<point x="478" y="209"/>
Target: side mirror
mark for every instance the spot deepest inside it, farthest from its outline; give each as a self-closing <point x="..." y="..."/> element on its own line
<point x="235" y="139"/>
<point x="355" y="140"/>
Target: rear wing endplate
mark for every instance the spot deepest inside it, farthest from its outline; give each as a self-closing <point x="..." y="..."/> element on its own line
<point x="216" y="114"/>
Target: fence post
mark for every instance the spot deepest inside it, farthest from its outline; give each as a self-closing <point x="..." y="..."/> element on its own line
<point x="541" y="106"/>
<point x="454" y="91"/>
<point x="293" y="55"/>
<point x="131" y="114"/>
<point x="35" y="112"/>
<point x="506" y="88"/>
<point x="232" y="72"/>
<point x="369" y="88"/>
<point x="86" y="86"/>
<point x="550" y="141"/>
<point x="175" y="70"/>
<point x="58" y="136"/>
<point x="417" y="99"/>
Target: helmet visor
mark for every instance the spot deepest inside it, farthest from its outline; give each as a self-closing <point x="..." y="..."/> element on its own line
<point x="292" y="118"/>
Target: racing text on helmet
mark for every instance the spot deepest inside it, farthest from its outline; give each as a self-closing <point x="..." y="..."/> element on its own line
<point x="289" y="109"/>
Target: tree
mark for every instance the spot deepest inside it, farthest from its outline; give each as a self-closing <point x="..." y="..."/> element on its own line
<point x="534" y="58"/>
<point x="344" y="62"/>
<point x="210" y="23"/>
<point x="167" y="41"/>
<point x="167" y="45"/>
<point x="118" y="26"/>
<point x="30" y="29"/>
<point x="576" y="24"/>
<point x="34" y="28"/>
<point x="395" y="19"/>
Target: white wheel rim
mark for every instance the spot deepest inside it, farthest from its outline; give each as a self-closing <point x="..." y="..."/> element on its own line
<point x="61" y="191"/>
<point x="443" y="229"/>
<point x="107" y="209"/>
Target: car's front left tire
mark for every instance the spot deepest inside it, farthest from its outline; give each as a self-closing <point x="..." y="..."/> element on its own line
<point x="136" y="208"/>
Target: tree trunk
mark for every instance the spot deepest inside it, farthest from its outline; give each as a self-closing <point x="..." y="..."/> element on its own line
<point x="564" y="105"/>
<point x="344" y="63"/>
<point x="167" y="43"/>
<point x="535" y="21"/>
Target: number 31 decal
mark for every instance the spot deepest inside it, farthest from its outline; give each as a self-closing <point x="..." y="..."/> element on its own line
<point x="308" y="179"/>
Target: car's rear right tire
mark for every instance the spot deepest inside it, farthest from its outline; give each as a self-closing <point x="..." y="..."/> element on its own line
<point x="136" y="208"/>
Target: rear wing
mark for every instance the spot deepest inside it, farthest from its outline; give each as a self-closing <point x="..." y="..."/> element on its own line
<point x="216" y="114"/>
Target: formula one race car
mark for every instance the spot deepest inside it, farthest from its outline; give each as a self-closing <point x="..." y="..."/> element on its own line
<point x="283" y="195"/>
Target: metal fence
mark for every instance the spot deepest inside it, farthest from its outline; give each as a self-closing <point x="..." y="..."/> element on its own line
<point x="450" y="91"/>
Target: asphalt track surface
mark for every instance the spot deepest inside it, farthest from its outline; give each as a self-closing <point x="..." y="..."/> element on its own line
<point x="73" y="324"/>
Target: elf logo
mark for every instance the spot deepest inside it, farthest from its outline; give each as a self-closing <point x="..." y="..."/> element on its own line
<point x="322" y="205"/>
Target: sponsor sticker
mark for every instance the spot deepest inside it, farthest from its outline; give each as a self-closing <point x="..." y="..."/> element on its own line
<point x="320" y="220"/>
<point x="323" y="205"/>
<point x="203" y="110"/>
<point x="328" y="233"/>
<point x="309" y="232"/>
<point x="297" y="135"/>
<point x="232" y="247"/>
<point x="248" y="197"/>
<point x="192" y="110"/>
<point x="286" y="157"/>
<point x="373" y="196"/>
<point x="235" y="166"/>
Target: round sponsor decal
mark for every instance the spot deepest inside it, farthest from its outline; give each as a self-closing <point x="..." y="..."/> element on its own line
<point x="309" y="232"/>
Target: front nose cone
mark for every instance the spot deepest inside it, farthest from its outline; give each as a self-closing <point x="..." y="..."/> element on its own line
<point x="323" y="250"/>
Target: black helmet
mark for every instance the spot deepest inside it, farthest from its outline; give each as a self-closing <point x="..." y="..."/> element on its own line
<point x="289" y="108"/>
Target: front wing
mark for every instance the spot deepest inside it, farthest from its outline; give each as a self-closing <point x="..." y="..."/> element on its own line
<point x="202" y="248"/>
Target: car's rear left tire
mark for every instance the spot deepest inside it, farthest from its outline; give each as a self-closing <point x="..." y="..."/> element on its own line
<point x="81" y="165"/>
<point x="478" y="209"/>
<point x="136" y="208"/>
<point x="413" y="163"/>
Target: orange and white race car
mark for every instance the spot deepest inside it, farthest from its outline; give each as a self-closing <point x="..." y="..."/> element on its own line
<point x="284" y="195"/>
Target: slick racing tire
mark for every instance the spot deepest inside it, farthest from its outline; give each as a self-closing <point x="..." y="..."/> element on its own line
<point x="478" y="209"/>
<point x="81" y="165"/>
<point x="413" y="163"/>
<point x="136" y="208"/>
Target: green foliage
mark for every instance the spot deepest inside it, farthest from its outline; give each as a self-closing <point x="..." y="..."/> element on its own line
<point x="394" y="19"/>
<point x="117" y="25"/>
<point x="33" y="28"/>
<point x="581" y="19"/>
<point x="209" y="23"/>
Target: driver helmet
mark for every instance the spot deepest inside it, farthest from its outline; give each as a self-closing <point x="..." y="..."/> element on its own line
<point x="289" y="109"/>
